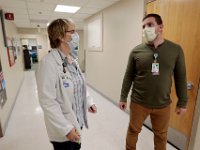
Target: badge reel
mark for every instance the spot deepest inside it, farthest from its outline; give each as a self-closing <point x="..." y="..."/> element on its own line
<point x="155" y="65"/>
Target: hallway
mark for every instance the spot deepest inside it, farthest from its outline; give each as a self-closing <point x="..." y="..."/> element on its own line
<point x="107" y="128"/>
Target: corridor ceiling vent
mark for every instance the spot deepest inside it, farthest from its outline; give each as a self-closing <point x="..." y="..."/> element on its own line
<point x="66" y="8"/>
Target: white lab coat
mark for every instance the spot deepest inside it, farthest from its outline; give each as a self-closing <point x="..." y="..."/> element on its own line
<point x="55" y="99"/>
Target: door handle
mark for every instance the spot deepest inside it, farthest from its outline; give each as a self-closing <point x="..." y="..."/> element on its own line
<point x="190" y="85"/>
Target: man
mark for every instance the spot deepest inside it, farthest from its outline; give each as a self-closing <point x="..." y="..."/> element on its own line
<point x="149" y="71"/>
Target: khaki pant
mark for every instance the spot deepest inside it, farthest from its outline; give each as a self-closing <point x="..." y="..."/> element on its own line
<point x="160" y="122"/>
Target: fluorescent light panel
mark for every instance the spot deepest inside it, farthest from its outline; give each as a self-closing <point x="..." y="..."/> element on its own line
<point x="66" y="8"/>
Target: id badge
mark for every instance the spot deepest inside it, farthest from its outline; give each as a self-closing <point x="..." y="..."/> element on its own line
<point x="155" y="68"/>
<point x="65" y="84"/>
<point x="65" y="80"/>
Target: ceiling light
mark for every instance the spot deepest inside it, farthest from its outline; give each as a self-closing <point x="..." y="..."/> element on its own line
<point x="66" y="8"/>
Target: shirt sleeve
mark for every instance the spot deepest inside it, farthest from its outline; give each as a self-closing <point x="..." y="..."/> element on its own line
<point x="128" y="78"/>
<point x="181" y="80"/>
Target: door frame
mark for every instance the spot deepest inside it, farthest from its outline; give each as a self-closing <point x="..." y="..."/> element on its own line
<point x="196" y="121"/>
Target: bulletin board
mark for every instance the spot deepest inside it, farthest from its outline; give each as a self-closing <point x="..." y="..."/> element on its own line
<point x="3" y="95"/>
<point x="11" y="50"/>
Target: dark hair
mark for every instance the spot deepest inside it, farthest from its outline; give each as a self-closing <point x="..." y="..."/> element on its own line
<point x="56" y="30"/>
<point x="156" y="16"/>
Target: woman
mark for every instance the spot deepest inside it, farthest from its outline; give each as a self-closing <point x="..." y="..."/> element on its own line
<point x="62" y="89"/>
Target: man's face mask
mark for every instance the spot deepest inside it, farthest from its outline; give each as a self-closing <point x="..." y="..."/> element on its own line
<point x="73" y="44"/>
<point x="149" y="34"/>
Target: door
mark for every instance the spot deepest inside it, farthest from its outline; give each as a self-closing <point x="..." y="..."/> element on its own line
<point x="181" y="24"/>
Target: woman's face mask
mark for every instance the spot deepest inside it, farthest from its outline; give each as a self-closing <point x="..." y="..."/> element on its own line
<point x="74" y="43"/>
<point x="149" y="34"/>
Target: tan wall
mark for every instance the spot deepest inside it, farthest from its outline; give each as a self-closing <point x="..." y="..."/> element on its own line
<point x="13" y="75"/>
<point x="122" y="31"/>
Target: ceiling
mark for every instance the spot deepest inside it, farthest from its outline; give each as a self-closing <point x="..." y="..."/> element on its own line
<point x="37" y="13"/>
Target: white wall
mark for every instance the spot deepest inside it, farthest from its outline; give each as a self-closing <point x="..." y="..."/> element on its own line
<point x="122" y="31"/>
<point x="12" y="75"/>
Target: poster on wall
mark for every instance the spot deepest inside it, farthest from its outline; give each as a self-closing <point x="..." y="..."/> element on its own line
<point x="11" y="50"/>
<point x="3" y="96"/>
<point x="16" y="45"/>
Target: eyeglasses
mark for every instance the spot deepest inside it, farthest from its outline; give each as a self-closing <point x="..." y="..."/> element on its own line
<point x="70" y="31"/>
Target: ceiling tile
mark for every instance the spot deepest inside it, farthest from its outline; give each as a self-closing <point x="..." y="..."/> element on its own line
<point x="99" y="3"/>
<point x="89" y="10"/>
<point x="61" y="15"/>
<point x="24" y="10"/>
<point x="20" y="17"/>
<point x="39" y="17"/>
<point x="16" y="11"/>
<point x="44" y="1"/>
<point x="10" y="4"/>
<point x="81" y="16"/>
<point x="39" y="12"/>
<point x="41" y="25"/>
<point x="73" y="2"/>
<point x="41" y="6"/>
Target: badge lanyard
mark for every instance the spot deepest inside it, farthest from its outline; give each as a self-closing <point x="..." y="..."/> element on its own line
<point x="155" y="65"/>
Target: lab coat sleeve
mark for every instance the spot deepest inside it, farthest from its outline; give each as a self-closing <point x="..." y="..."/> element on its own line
<point x="47" y="77"/>
<point x="90" y="101"/>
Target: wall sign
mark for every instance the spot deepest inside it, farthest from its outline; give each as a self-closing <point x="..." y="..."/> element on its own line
<point x="3" y="96"/>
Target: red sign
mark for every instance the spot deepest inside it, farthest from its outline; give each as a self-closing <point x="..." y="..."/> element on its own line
<point x="9" y="16"/>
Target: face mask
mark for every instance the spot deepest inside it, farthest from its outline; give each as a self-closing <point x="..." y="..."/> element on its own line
<point x="73" y="44"/>
<point x="149" y="34"/>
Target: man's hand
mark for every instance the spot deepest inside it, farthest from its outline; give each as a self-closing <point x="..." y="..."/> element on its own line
<point x="180" y="111"/>
<point x="92" y="109"/>
<point x="122" y="105"/>
<point x="73" y="136"/>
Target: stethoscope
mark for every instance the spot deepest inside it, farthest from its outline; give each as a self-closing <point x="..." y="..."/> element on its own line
<point x="64" y="64"/>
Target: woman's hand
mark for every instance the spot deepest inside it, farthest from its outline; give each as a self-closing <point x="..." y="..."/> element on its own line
<point x="92" y="109"/>
<point x="73" y="135"/>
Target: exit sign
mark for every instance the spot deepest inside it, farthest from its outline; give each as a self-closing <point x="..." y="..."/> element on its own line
<point x="9" y="16"/>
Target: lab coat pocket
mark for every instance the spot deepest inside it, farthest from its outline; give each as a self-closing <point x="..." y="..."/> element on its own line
<point x="66" y="88"/>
